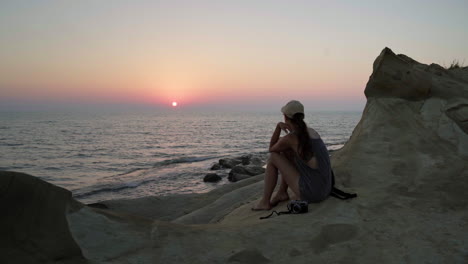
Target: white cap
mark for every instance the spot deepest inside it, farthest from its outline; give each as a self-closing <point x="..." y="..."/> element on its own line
<point x="292" y="107"/>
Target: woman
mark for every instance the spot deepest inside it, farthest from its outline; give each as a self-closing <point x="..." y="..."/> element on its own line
<point x="302" y="159"/>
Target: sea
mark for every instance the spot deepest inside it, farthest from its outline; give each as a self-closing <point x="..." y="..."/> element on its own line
<point x="100" y="155"/>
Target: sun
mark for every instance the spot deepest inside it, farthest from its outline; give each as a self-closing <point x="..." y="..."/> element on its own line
<point x="174" y="104"/>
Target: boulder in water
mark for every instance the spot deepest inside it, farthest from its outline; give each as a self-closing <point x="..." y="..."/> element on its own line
<point x="240" y="172"/>
<point x="229" y="162"/>
<point x="215" y="166"/>
<point x="211" y="177"/>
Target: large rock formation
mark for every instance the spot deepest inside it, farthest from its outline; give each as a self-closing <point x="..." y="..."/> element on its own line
<point x="33" y="225"/>
<point x="407" y="159"/>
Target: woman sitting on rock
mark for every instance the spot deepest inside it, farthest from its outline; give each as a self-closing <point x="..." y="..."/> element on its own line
<point x="302" y="159"/>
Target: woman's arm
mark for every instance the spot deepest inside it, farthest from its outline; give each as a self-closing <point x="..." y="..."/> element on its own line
<point x="275" y="136"/>
<point x="278" y="144"/>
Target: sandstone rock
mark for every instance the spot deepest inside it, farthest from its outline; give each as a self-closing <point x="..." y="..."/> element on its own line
<point x="33" y="224"/>
<point x="211" y="177"/>
<point x="155" y="207"/>
<point x="457" y="110"/>
<point x="108" y="236"/>
<point x="248" y="256"/>
<point x="398" y="76"/>
<point x="98" y="205"/>
<point x="227" y="200"/>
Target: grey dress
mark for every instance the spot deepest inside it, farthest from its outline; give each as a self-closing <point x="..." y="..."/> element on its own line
<point x="315" y="184"/>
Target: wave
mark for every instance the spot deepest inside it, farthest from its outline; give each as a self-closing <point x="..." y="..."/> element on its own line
<point x="129" y="172"/>
<point x="139" y="166"/>
<point x="182" y="160"/>
<point x="342" y="142"/>
<point x="111" y="188"/>
<point x="82" y="155"/>
<point x="47" y="122"/>
<point x="115" y="187"/>
<point x="12" y="144"/>
<point x="52" y="168"/>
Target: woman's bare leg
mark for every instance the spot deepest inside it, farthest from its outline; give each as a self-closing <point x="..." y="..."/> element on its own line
<point x="282" y="193"/>
<point x="288" y="171"/>
<point x="283" y="186"/>
<point x="271" y="177"/>
<point x="290" y="176"/>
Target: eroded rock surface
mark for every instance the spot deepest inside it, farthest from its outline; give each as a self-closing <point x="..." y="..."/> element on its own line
<point x="33" y="225"/>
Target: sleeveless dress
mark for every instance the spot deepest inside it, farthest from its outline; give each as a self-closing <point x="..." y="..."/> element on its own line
<point x="315" y="184"/>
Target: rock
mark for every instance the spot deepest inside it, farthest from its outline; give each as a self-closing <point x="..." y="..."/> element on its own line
<point x="33" y="225"/>
<point x="398" y="76"/>
<point x="249" y="159"/>
<point x="108" y="236"/>
<point x="234" y="177"/>
<point x="248" y="256"/>
<point x="240" y="172"/>
<point x="257" y="161"/>
<point x="98" y="205"/>
<point x="211" y="177"/>
<point x="457" y="110"/>
<point x="245" y="160"/>
<point x="249" y="170"/>
<point x="229" y="162"/>
<point x="238" y="169"/>
<point x="155" y="207"/>
<point x="216" y="166"/>
<point x="227" y="200"/>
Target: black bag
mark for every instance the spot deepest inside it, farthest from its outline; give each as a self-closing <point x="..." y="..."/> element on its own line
<point x="337" y="193"/>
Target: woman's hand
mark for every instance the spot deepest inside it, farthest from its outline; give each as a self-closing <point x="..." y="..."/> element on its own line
<point x="283" y="126"/>
<point x="277" y="143"/>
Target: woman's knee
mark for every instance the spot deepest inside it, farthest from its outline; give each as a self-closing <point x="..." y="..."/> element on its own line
<point x="272" y="157"/>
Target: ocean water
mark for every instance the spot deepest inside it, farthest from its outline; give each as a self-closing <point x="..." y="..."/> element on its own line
<point x="102" y="155"/>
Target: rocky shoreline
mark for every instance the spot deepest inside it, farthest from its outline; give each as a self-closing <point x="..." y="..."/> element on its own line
<point x="241" y="168"/>
<point x="407" y="159"/>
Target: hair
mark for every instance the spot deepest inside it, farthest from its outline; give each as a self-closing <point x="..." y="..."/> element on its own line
<point x="302" y="133"/>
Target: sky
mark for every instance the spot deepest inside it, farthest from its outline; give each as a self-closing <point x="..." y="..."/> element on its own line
<point x="215" y="54"/>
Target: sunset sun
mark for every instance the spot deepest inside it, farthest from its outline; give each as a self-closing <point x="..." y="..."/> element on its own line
<point x="174" y="104"/>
